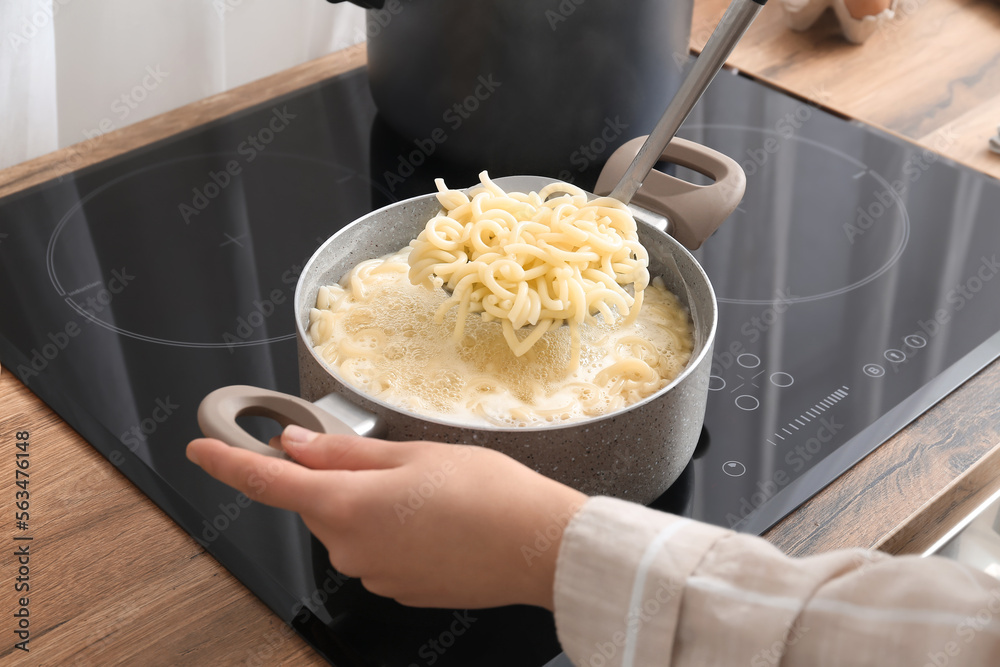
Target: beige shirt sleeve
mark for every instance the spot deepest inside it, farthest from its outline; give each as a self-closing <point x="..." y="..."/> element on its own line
<point x="635" y="587"/>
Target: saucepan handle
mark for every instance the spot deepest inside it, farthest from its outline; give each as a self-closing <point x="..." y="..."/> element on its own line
<point x="694" y="211"/>
<point x="366" y="4"/>
<point x="218" y="412"/>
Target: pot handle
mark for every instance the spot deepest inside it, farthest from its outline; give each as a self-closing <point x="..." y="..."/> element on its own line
<point x="365" y="4"/>
<point x="218" y="412"/>
<point x="694" y="211"/>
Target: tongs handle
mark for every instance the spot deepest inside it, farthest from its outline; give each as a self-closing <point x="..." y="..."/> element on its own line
<point x="723" y="40"/>
<point x="694" y="212"/>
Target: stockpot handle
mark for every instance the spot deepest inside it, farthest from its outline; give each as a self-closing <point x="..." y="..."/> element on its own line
<point x="366" y="4"/>
<point x="218" y="412"/>
<point x="694" y="211"/>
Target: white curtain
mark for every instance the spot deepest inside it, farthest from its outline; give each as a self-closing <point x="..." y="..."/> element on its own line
<point x="73" y="69"/>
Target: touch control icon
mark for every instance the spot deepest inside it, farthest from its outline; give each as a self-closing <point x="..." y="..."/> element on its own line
<point x="782" y="379"/>
<point x="748" y="379"/>
<point x="895" y="356"/>
<point x="874" y="370"/>
<point x="734" y="468"/>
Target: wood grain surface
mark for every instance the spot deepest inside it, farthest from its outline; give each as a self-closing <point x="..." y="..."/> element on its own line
<point x="932" y="74"/>
<point x="114" y="581"/>
<point x="913" y="488"/>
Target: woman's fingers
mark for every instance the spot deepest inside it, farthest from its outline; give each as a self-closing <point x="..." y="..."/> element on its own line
<point x="428" y="523"/>
<point x="340" y="452"/>
<point x="267" y="479"/>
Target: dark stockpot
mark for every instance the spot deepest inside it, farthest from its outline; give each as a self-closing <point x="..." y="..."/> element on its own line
<point x="549" y="87"/>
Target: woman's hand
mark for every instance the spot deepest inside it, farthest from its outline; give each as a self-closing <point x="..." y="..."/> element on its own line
<point x="429" y="524"/>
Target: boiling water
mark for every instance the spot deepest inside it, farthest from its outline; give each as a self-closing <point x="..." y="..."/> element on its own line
<point x="380" y="334"/>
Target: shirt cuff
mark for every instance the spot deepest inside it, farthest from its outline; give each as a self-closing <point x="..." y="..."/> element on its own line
<point x="620" y="574"/>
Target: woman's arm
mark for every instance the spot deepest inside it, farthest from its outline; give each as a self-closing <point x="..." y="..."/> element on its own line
<point x="456" y="526"/>
<point x="639" y="587"/>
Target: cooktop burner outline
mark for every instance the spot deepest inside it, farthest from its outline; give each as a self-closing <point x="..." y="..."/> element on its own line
<point x="904" y="218"/>
<point x="228" y="239"/>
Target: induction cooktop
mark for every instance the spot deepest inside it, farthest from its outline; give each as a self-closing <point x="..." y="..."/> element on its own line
<point x="857" y="285"/>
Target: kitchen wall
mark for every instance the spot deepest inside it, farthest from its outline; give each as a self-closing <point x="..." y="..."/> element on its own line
<point x="75" y="69"/>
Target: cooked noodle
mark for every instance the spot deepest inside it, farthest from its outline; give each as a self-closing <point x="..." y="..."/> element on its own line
<point x="538" y="259"/>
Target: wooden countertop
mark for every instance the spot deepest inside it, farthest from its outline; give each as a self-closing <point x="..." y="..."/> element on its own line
<point x="114" y="581"/>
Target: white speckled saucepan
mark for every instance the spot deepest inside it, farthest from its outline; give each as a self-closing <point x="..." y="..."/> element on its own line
<point x="634" y="453"/>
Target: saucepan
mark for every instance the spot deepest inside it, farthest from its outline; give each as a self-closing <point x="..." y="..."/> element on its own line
<point x="634" y="453"/>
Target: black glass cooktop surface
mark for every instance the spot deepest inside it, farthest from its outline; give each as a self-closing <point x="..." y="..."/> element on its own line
<point x="857" y="285"/>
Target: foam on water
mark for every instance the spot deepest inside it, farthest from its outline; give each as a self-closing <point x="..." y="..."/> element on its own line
<point x="380" y="334"/>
